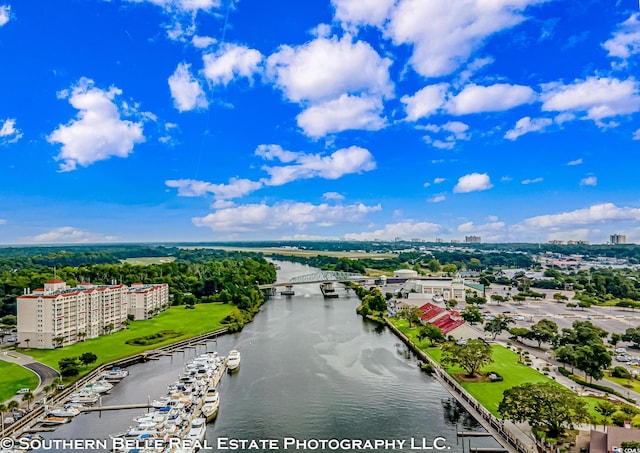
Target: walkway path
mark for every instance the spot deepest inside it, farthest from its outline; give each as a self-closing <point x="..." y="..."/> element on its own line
<point x="45" y="373"/>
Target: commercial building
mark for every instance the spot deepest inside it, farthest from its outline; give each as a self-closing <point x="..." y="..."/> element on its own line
<point x="472" y="239"/>
<point x="57" y="315"/>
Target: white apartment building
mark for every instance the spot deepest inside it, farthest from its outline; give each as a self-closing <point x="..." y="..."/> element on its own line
<point x="427" y="288"/>
<point x="57" y="315"/>
<point x="147" y="300"/>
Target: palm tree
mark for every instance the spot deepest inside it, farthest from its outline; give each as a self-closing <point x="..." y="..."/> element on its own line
<point x="58" y="341"/>
<point x="28" y="397"/>
<point x="13" y="404"/>
<point x="3" y="409"/>
<point x="82" y="335"/>
<point x="27" y="340"/>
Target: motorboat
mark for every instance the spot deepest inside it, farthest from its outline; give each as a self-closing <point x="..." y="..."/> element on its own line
<point x="233" y="360"/>
<point x="98" y="386"/>
<point x="210" y="405"/>
<point x="195" y="436"/>
<point x="115" y="374"/>
<point x="53" y="420"/>
<point x="66" y="411"/>
<point x="84" y="397"/>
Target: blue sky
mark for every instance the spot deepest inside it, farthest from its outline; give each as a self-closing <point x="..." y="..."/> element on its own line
<point x="197" y="120"/>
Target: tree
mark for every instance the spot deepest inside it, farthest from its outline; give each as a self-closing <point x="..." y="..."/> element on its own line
<point x="13" y="404"/>
<point x="559" y="297"/>
<point x="411" y="314"/>
<point x="498" y="324"/>
<point x="434" y="265"/>
<point x="452" y="303"/>
<point x="81" y="335"/>
<point x="592" y="358"/>
<point x="3" y="409"/>
<point x="433" y="333"/>
<point x="28" y="397"/>
<point x="472" y="315"/>
<point x="546" y="406"/>
<point x="471" y="356"/>
<point x="519" y="332"/>
<point x="88" y="358"/>
<point x="450" y="269"/>
<point x="497" y="298"/>
<point x="58" y="341"/>
<point x="615" y="339"/>
<point x="544" y="331"/>
<point x="606" y="409"/>
<point x="632" y="334"/>
<point x="567" y="354"/>
<point x="27" y="340"/>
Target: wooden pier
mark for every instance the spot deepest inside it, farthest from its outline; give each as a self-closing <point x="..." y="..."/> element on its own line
<point x="115" y="407"/>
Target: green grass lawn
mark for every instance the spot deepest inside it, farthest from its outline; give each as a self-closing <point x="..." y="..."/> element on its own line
<point x="631" y="384"/>
<point x="13" y="378"/>
<point x="204" y="318"/>
<point x="403" y="326"/>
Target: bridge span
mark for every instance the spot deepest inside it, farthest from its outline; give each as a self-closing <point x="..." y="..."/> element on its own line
<point x="321" y="277"/>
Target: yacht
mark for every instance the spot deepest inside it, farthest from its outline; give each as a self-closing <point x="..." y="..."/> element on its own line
<point x="98" y="386"/>
<point x="66" y="411"/>
<point x="233" y="360"/>
<point x="84" y="398"/>
<point x="195" y="436"/>
<point x="211" y="405"/>
<point x="115" y="374"/>
<point x="52" y="420"/>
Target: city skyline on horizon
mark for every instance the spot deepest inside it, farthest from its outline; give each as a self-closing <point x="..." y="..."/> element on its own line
<point x="145" y="121"/>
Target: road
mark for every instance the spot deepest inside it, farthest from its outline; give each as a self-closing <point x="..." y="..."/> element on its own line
<point x="45" y="373"/>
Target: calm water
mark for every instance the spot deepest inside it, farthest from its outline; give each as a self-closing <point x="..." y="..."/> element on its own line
<point x="311" y="370"/>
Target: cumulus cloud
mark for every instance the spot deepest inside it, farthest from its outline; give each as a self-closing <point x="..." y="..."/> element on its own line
<point x="304" y="166"/>
<point x="282" y="216"/>
<point x="596" y="213"/>
<point x="185" y="6"/>
<point x="202" y="42"/>
<point x="8" y="132"/>
<point x="494" y="98"/>
<point x="362" y="12"/>
<point x="473" y="182"/>
<point x="526" y="125"/>
<point x="70" y="235"/>
<point x="335" y="196"/>
<point x="229" y="62"/>
<point x="425" y="102"/>
<point x="444" y="34"/>
<point x="99" y="132"/>
<point x="5" y="11"/>
<point x="532" y="181"/>
<point x="437" y="199"/>
<point x="406" y="229"/>
<point x="345" y="113"/>
<point x="589" y="181"/>
<point x="449" y="134"/>
<point x="186" y="91"/>
<point x="575" y="162"/>
<point x="325" y="69"/>
<point x="626" y="40"/>
<point x="599" y="97"/>
<point x="234" y="189"/>
<point x="439" y="180"/>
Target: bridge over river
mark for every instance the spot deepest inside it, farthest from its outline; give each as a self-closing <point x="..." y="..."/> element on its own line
<point x="325" y="278"/>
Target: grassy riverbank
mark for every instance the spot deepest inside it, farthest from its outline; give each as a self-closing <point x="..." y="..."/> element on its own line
<point x="204" y="318"/>
<point x="13" y="378"/>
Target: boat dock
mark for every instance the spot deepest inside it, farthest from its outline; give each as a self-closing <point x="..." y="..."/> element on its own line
<point x="115" y="407"/>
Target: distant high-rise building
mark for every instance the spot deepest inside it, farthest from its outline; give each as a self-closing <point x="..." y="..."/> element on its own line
<point x="578" y="242"/>
<point x="556" y="242"/>
<point x="439" y="240"/>
<point x="472" y="239"/>
<point x="616" y="239"/>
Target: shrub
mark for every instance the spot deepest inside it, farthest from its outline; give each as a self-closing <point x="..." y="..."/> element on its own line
<point x="620" y="372"/>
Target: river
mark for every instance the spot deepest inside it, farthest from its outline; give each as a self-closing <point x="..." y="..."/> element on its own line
<point x="311" y="370"/>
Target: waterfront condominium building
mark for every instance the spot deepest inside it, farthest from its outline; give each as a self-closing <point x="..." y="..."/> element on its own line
<point x="147" y="300"/>
<point x="617" y="239"/>
<point x="57" y="315"/>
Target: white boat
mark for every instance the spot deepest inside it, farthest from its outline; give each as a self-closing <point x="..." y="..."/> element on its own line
<point x="211" y="405"/>
<point x="66" y="411"/>
<point x="195" y="436"/>
<point x="115" y="374"/>
<point x="98" y="386"/>
<point x="84" y="398"/>
<point x="51" y="420"/>
<point x="233" y="360"/>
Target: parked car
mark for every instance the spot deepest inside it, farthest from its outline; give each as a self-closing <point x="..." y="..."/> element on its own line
<point x="24" y="390"/>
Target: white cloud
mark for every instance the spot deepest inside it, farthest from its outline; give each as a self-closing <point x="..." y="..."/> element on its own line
<point x="304" y="166"/>
<point x="362" y="12"/>
<point x="5" y="14"/>
<point x="186" y="91"/>
<point x="3" y="221"/>
<point x="532" y="181"/>
<point x="8" y="132"/>
<point x="345" y="113"/>
<point x="283" y="216"/>
<point x="425" y="102"/>
<point x="229" y="62"/>
<point x="194" y="188"/>
<point x="426" y="184"/>
<point x="626" y="41"/>
<point x="473" y="182"/>
<point x="185" y="6"/>
<point x="98" y="132"/>
<point x="636" y="135"/>
<point x="439" y="180"/>
<point x="575" y="162"/>
<point x="599" y="97"/>
<point x="597" y="213"/>
<point x="444" y="34"/>
<point x="437" y="199"/>
<point x="406" y="229"/>
<point x="333" y="196"/>
<point x="589" y="181"/>
<point x="324" y="69"/>
<point x="70" y="235"/>
<point x="492" y="231"/>
<point x="526" y="125"/>
<point x="493" y="98"/>
<point x="451" y="132"/>
<point x="202" y="42"/>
